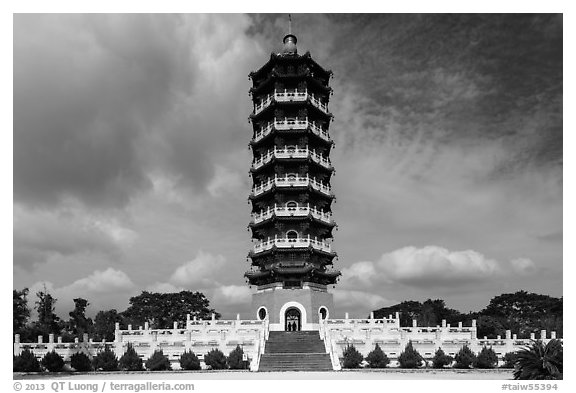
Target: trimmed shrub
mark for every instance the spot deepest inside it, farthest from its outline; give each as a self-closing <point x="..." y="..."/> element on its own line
<point x="189" y="361"/>
<point x="377" y="358"/>
<point x="440" y="359"/>
<point x="540" y="361"/>
<point x="464" y="358"/>
<point x="26" y="362"/>
<point x="509" y="360"/>
<point x="487" y="358"/>
<point x="351" y="357"/>
<point x="410" y="358"/>
<point x="235" y="359"/>
<point x="215" y="360"/>
<point x="105" y="361"/>
<point x="158" y="362"/>
<point x="80" y="362"/>
<point x="53" y="362"/>
<point x="130" y="361"/>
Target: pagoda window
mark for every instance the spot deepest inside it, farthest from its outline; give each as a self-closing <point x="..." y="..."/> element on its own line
<point x="292" y="205"/>
<point x="292" y="235"/>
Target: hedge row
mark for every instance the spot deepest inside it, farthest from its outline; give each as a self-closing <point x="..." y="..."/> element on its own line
<point x="106" y="360"/>
<point x="410" y="358"/>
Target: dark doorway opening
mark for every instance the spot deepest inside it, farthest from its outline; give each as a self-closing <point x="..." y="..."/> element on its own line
<point x="293" y="320"/>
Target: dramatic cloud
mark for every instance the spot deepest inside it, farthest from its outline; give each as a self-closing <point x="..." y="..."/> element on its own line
<point x="523" y="265"/>
<point x="426" y="267"/>
<point x="130" y="152"/>
<point x="199" y="272"/>
<point x="40" y="235"/>
<point x="101" y="288"/>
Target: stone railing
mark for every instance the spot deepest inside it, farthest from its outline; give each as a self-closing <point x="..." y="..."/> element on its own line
<point x="297" y="211"/>
<point x="291" y="181"/>
<point x="299" y="242"/>
<point x="291" y="124"/>
<point x="200" y="336"/>
<point x="287" y="153"/>
<point x="255" y="365"/>
<point x="290" y="95"/>
<point x="364" y="334"/>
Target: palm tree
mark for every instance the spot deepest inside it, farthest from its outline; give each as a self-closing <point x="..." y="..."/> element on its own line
<point x="539" y="361"/>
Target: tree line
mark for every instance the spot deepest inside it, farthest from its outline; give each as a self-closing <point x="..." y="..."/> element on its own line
<point x="160" y="310"/>
<point x="521" y="312"/>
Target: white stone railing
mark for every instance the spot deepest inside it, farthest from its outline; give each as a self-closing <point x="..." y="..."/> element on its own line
<point x="291" y="152"/>
<point x="255" y="365"/>
<point x="299" y="242"/>
<point x="364" y="334"/>
<point x="291" y="181"/>
<point x="329" y="346"/>
<point x="198" y="336"/>
<point x="297" y="211"/>
<point x="290" y="95"/>
<point x="291" y="124"/>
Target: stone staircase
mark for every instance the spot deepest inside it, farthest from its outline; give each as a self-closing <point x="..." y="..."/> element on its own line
<point x="295" y="351"/>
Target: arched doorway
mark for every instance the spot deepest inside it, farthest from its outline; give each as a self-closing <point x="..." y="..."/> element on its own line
<point x="293" y="320"/>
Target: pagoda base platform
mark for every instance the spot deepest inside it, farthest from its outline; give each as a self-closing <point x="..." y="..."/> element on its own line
<point x="290" y="309"/>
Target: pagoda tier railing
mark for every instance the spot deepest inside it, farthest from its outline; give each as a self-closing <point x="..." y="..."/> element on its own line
<point x="296" y="211"/>
<point x="291" y="181"/>
<point x="291" y="152"/>
<point x="290" y="95"/>
<point x="298" y="242"/>
<point x="291" y="124"/>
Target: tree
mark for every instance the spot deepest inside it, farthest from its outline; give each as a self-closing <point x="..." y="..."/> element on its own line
<point x="487" y="358"/>
<point x="524" y="312"/>
<point x="464" y="358"/>
<point x="490" y="326"/>
<point x="215" y="359"/>
<point x="158" y="362"/>
<point x="377" y="358"/>
<point x="80" y="362"/>
<point x="79" y="324"/>
<point x="429" y="313"/>
<point x="236" y="359"/>
<point x="189" y="361"/>
<point x="509" y="360"/>
<point x="47" y="319"/>
<point x="105" y="360"/>
<point x="441" y="359"/>
<point x="20" y="310"/>
<point x="53" y="361"/>
<point x="539" y="361"/>
<point x="410" y="358"/>
<point x="26" y="362"/>
<point x="161" y="310"/>
<point x="351" y="357"/>
<point x="130" y="361"/>
<point x="105" y="324"/>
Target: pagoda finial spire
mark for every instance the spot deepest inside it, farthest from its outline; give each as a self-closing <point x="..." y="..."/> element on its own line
<point x="290" y="39"/>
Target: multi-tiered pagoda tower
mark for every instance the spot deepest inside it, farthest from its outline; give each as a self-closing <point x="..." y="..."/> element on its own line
<point x="291" y="196"/>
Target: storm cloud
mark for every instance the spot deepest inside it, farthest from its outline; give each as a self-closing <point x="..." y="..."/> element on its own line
<point x="131" y="159"/>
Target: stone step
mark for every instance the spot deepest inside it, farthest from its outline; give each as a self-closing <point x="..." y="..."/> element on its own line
<point x="295" y="351"/>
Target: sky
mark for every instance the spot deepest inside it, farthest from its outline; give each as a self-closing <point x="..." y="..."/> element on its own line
<point x="131" y="159"/>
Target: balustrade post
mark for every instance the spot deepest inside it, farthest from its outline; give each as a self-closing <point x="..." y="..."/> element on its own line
<point x="514" y="337"/>
<point x="553" y="335"/>
<point x="40" y="339"/>
<point x="59" y="340"/>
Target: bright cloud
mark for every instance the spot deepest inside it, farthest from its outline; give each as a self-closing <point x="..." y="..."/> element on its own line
<point x="200" y="272"/>
<point x="523" y="265"/>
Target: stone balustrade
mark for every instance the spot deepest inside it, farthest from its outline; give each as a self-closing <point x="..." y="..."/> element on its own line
<point x="297" y="211"/>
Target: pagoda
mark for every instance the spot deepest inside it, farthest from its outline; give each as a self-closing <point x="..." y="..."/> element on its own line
<point x="291" y="221"/>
